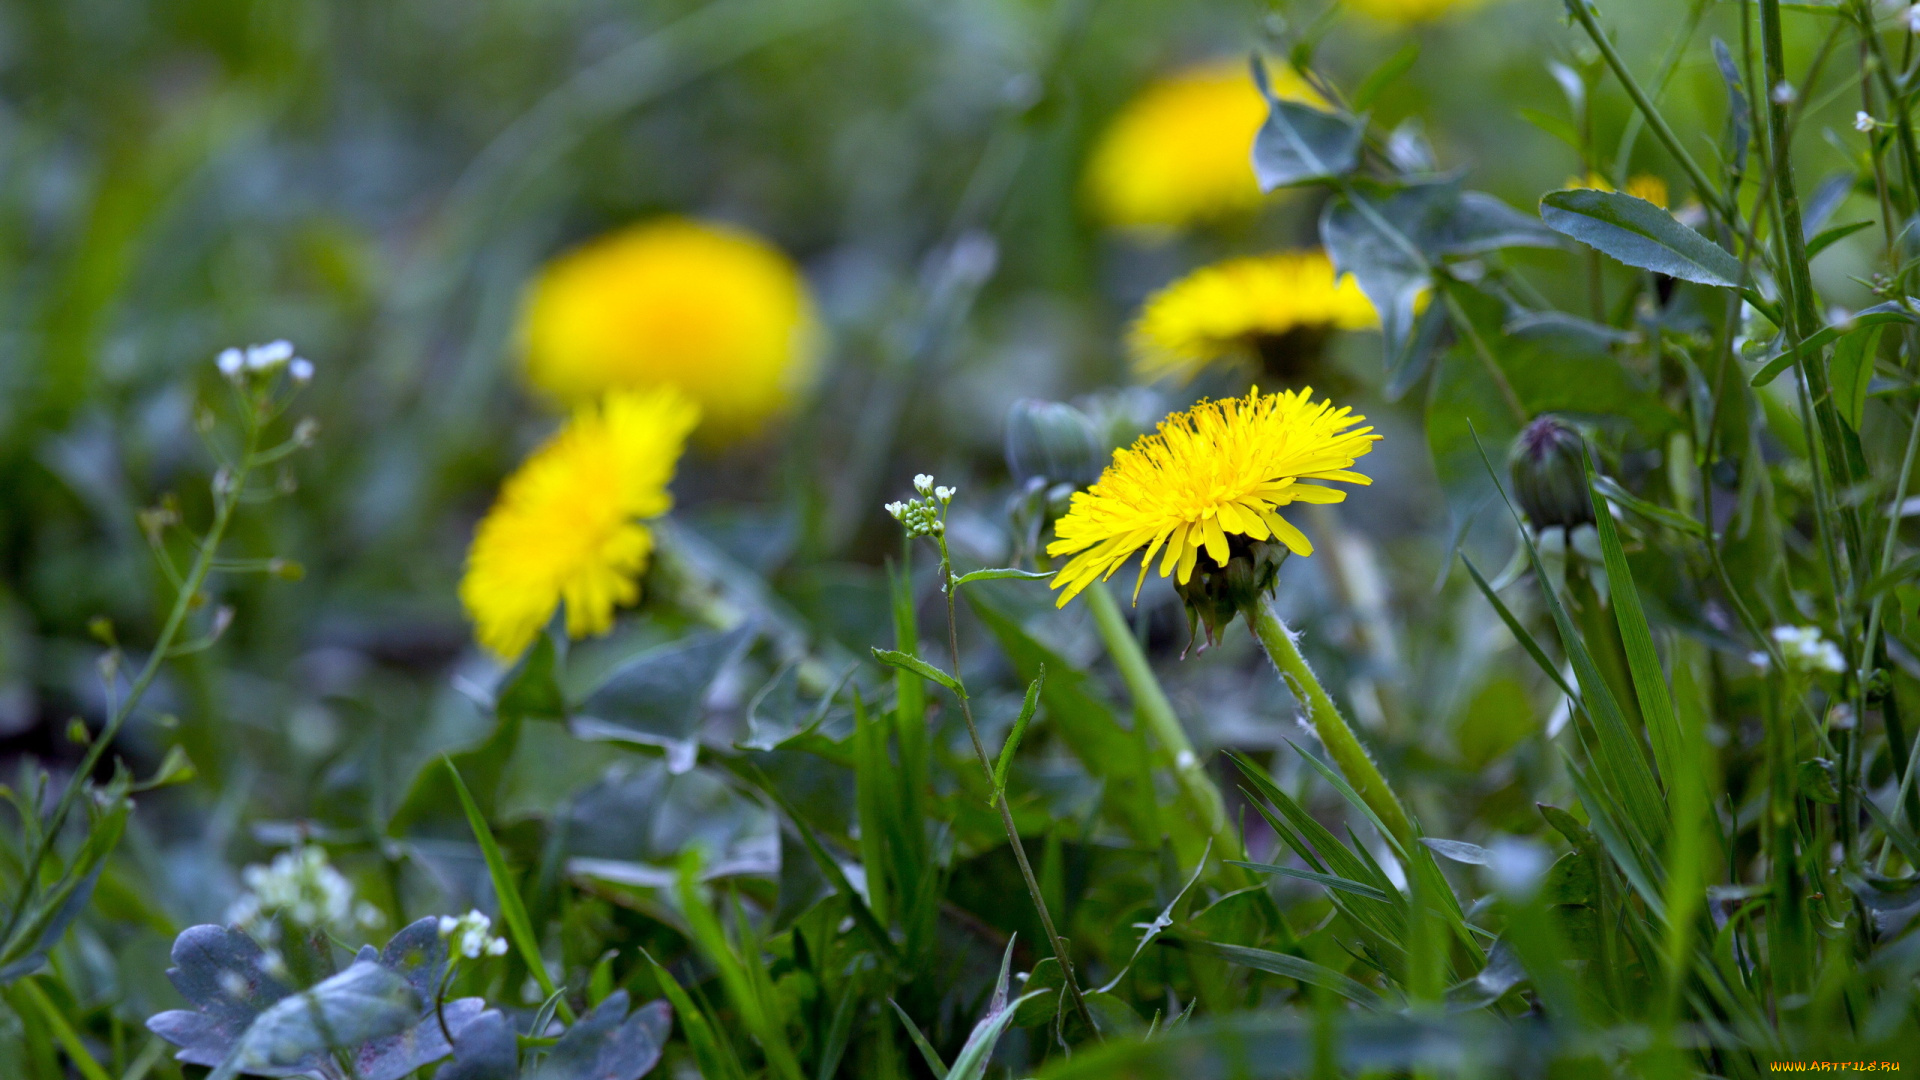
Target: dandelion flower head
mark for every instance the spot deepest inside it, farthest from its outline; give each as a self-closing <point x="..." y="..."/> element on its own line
<point x="1409" y="11"/>
<point x="1641" y="186"/>
<point x="712" y="310"/>
<point x="1182" y="151"/>
<point x="1221" y="469"/>
<point x="1237" y="307"/>
<point x="569" y="524"/>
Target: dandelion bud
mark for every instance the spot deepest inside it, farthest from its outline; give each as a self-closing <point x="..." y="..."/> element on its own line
<point x="1549" y="477"/>
<point x="1053" y="440"/>
<point x="1216" y="595"/>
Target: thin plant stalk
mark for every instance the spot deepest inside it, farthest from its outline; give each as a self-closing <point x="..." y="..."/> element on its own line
<point x="228" y="492"/>
<point x="947" y="586"/>
<point x="1341" y="743"/>
<point x="1153" y="709"/>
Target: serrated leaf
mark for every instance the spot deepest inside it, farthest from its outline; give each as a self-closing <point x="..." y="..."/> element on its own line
<point x="1640" y="234"/>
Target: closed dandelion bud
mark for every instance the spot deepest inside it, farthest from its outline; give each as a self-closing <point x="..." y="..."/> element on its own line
<point x="1053" y="440"/>
<point x="1215" y="595"/>
<point x="1549" y="477"/>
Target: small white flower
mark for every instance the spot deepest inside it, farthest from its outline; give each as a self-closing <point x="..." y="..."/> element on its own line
<point x="1862" y="121"/>
<point x="1783" y="93"/>
<point x="300" y="886"/>
<point x="1913" y="19"/>
<point x="923" y="483"/>
<point x="301" y="369"/>
<point x="230" y="362"/>
<point x="897" y="509"/>
<point x="471" y="936"/>
<point x="1805" y="650"/>
<point x="269" y="356"/>
<point x="944" y="494"/>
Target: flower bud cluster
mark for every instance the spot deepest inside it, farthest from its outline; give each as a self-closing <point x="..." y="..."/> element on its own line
<point x="302" y="888"/>
<point x="471" y="935"/>
<point x="925" y="515"/>
<point x="1805" y="650"/>
<point x="236" y="363"/>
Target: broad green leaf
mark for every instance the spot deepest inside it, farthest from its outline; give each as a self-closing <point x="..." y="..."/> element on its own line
<point x="1878" y="315"/>
<point x="1638" y="233"/>
<point x="1299" y="143"/>
<point x="1851" y="372"/>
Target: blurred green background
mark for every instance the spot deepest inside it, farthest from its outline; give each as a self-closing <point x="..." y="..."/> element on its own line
<point x="378" y="180"/>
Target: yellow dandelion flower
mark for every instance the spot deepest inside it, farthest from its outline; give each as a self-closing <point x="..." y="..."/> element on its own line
<point x="1641" y="186"/>
<point x="569" y="523"/>
<point x="712" y="310"/>
<point x="1182" y="150"/>
<point x="1221" y="469"/>
<point x="1409" y="11"/>
<point x="1236" y="307"/>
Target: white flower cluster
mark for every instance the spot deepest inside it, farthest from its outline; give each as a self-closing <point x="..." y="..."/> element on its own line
<point x="471" y="935"/>
<point x="237" y="363"/>
<point x="924" y="516"/>
<point x="1805" y="650"/>
<point x="300" y="886"/>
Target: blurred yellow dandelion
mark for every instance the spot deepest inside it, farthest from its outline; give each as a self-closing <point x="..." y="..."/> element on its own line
<point x="1220" y="469"/>
<point x="1182" y="150"/>
<point x="709" y="309"/>
<point x="568" y="525"/>
<point x="1409" y="11"/>
<point x="1641" y="186"/>
<point x="1237" y="307"/>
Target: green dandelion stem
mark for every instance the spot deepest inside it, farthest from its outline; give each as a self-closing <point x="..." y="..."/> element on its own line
<point x="1152" y="707"/>
<point x="1335" y="735"/>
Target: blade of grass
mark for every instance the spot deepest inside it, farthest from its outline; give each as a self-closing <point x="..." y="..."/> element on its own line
<point x="1643" y="663"/>
<point x="512" y="911"/>
<point x="62" y="1031"/>
<point x="713" y="1055"/>
<point x="926" y="1049"/>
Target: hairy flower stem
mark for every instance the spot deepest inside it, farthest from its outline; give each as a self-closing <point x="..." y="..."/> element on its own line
<point x="1006" y="816"/>
<point x="227" y="498"/>
<point x="1335" y="735"/>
